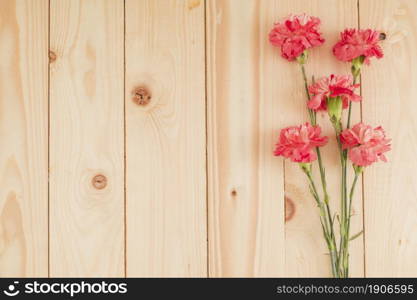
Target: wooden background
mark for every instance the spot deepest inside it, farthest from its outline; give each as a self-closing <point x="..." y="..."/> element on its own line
<point x="136" y="139"/>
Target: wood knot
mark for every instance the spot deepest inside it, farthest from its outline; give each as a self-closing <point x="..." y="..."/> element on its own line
<point x="99" y="181"/>
<point x="289" y="209"/>
<point x="193" y="4"/>
<point x="52" y="56"/>
<point x="382" y="36"/>
<point x="141" y="96"/>
<point x="233" y="193"/>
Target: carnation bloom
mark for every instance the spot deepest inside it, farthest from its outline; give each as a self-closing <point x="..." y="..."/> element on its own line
<point x="298" y="143"/>
<point x="331" y="87"/>
<point x="366" y="144"/>
<point x="355" y="43"/>
<point x="296" y="34"/>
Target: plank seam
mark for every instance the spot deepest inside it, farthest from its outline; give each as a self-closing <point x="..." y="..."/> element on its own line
<point x="49" y="135"/>
<point x="206" y="131"/>
<point x="362" y="177"/>
<point x="124" y="140"/>
<point x="283" y="215"/>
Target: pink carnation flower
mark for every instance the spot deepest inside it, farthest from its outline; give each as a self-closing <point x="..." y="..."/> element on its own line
<point x="332" y="86"/>
<point x="298" y="143"/>
<point x="355" y="43"/>
<point x="366" y="144"/>
<point x="296" y="34"/>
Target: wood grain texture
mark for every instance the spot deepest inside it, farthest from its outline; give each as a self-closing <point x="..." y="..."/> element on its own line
<point x="389" y="89"/>
<point x="24" y="138"/>
<point x="163" y="115"/>
<point x="305" y="250"/>
<point x="246" y="208"/>
<point x="252" y="93"/>
<point x="86" y="138"/>
<point x="165" y="139"/>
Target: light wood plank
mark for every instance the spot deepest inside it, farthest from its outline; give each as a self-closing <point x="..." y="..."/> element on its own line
<point x="165" y="139"/>
<point x="305" y="249"/>
<point x="24" y="138"/>
<point x="246" y="210"/>
<point x="86" y="138"/>
<point x="389" y="90"/>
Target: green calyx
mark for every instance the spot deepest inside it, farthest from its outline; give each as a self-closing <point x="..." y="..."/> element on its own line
<point x="334" y="109"/>
<point x="302" y="58"/>
<point x="358" y="169"/>
<point x="306" y="167"/>
<point x="357" y="65"/>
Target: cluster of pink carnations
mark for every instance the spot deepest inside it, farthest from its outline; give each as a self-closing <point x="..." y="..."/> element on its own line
<point x="294" y="36"/>
<point x="362" y="144"/>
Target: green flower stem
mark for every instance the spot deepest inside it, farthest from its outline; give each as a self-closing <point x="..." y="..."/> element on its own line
<point x="344" y="212"/>
<point x="333" y="250"/>
<point x="345" y="257"/>
<point x="325" y="211"/>
<point x="356" y="71"/>
<point x="313" y="120"/>
<point x="352" y="190"/>
<point x="355" y="76"/>
<point x="345" y="206"/>
<point x="326" y="223"/>
<point x="311" y="113"/>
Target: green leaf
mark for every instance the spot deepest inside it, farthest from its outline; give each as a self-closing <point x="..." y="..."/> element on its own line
<point x="356" y="235"/>
<point x="338" y="219"/>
